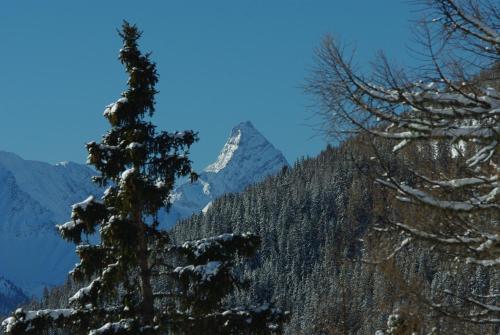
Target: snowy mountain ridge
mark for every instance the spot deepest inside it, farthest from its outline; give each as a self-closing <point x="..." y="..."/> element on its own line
<point x="228" y="150"/>
<point x="35" y="196"/>
<point x="246" y="158"/>
<point x="10" y="296"/>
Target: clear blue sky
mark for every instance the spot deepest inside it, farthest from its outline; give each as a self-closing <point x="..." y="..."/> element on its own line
<point x="220" y="62"/>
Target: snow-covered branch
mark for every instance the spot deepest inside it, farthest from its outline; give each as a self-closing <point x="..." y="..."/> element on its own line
<point x="443" y="126"/>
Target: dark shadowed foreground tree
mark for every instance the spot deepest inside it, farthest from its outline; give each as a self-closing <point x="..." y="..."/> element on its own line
<point x="124" y="270"/>
<point x="450" y="106"/>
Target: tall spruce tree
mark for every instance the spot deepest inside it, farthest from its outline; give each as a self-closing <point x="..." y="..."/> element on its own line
<point x="137" y="282"/>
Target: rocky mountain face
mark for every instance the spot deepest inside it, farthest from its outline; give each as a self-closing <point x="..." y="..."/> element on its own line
<point x="10" y="296"/>
<point x="246" y="158"/>
<point x="35" y="196"/>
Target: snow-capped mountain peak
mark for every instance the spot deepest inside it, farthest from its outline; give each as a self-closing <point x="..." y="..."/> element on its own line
<point x="247" y="157"/>
<point x="244" y="129"/>
<point x="35" y="196"/>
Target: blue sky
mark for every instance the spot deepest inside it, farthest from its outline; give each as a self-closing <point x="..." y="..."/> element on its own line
<point x="220" y="63"/>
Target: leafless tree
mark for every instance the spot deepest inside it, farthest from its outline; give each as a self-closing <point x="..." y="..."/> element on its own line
<point x="451" y="101"/>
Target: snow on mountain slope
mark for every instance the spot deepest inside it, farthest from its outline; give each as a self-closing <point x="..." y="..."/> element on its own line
<point x="246" y="158"/>
<point x="10" y="296"/>
<point x="53" y="186"/>
<point x="34" y="196"/>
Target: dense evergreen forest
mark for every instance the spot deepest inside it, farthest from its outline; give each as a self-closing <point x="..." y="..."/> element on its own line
<point x="318" y="224"/>
<point x="394" y="231"/>
<point x="315" y="220"/>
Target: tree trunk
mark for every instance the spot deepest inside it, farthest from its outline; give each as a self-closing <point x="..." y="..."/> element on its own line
<point x="145" y="274"/>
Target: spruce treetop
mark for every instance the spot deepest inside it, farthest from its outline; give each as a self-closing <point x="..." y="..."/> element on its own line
<point x="136" y="281"/>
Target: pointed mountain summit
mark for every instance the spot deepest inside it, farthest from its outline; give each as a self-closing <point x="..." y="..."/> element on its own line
<point x="246" y="158"/>
<point x="35" y="196"/>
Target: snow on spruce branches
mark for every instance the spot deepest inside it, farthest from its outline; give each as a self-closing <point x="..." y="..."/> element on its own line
<point x="135" y="281"/>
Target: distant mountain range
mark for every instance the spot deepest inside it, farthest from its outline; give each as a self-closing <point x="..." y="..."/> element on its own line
<point x="35" y="196"/>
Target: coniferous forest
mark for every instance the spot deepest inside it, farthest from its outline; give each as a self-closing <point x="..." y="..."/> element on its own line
<point x="394" y="230"/>
<point x="314" y="260"/>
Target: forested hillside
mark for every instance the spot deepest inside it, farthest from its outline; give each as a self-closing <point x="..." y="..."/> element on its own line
<point x="395" y="231"/>
<point x="313" y="219"/>
<point x="318" y="222"/>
